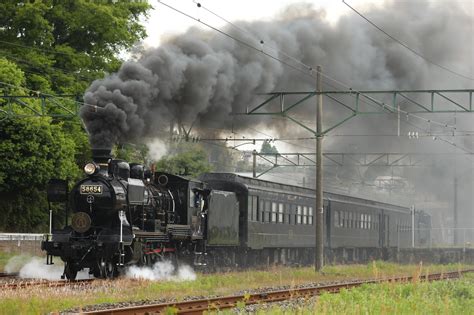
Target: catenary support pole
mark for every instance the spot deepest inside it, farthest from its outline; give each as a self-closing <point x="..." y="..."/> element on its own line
<point x="455" y="212"/>
<point x="413" y="226"/>
<point x="319" y="259"/>
<point x="254" y="164"/>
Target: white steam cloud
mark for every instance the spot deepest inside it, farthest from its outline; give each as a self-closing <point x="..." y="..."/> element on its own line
<point x="156" y="149"/>
<point x="36" y="268"/>
<point x="162" y="271"/>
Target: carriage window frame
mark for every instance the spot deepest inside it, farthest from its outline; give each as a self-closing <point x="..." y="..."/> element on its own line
<point x="255" y="208"/>
<point x="249" y="207"/>
<point x="310" y="216"/>
<point x="336" y="218"/>
<point x="268" y="209"/>
<point x="273" y="217"/>
<point x="281" y="210"/>
<point x="305" y="215"/>
<point x="299" y="211"/>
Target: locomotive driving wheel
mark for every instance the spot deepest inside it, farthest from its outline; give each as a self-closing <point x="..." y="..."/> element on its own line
<point x="107" y="268"/>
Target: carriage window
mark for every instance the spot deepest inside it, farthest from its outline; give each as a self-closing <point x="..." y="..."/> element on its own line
<point x="274" y="212"/>
<point x="293" y="214"/>
<point x="298" y="216"/>
<point x="305" y="215"/>
<point x="280" y="213"/>
<point x="268" y="208"/>
<point x="262" y="210"/>
<point x="249" y="208"/>
<point x="255" y="208"/>
<point x="350" y="220"/>
<point x="310" y="218"/>
<point x="336" y="219"/>
<point x="369" y="217"/>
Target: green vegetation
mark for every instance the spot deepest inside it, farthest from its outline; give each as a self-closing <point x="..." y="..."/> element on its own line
<point x="27" y="301"/>
<point x="190" y="162"/>
<point x="52" y="47"/>
<point x="441" y="297"/>
<point x="268" y="148"/>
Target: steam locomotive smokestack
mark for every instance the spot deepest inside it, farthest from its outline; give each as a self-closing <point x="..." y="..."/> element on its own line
<point x="102" y="156"/>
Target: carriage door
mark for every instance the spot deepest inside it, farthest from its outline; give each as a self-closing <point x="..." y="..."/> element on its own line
<point x="328" y="224"/>
<point x="387" y="231"/>
<point x="383" y="230"/>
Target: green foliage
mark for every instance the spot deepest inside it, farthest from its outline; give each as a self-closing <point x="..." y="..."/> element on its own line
<point x="65" y="45"/>
<point x="53" y="47"/>
<point x="132" y="153"/>
<point x="228" y="283"/>
<point x="441" y="297"/>
<point x="191" y="162"/>
<point x="268" y="148"/>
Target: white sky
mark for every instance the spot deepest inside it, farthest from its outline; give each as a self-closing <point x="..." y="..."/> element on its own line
<point x="164" y="22"/>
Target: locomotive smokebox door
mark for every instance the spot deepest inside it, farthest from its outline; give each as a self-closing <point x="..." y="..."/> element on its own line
<point x="223" y="222"/>
<point x="57" y="190"/>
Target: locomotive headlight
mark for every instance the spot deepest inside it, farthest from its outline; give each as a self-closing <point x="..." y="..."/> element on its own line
<point x="90" y="168"/>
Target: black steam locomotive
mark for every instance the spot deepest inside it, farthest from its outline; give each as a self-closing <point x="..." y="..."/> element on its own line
<point x="123" y="214"/>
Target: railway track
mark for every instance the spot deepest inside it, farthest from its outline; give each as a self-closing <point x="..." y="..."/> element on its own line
<point x="42" y="283"/>
<point x="199" y="306"/>
<point x="8" y="275"/>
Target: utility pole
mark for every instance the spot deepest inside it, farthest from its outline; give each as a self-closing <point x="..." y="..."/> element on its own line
<point x="413" y="226"/>
<point x="319" y="215"/>
<point x="254" y="164"/>
<point x="455" y="212"/>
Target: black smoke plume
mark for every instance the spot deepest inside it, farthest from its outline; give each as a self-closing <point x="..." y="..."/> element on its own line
<point x="201" y="77"/>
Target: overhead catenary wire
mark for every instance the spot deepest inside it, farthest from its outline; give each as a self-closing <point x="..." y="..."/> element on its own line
<point x="406" y="46"/>
<point x="95" y="107"/>
<point x="309" y="69"/>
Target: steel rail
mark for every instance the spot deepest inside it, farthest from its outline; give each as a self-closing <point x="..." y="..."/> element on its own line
<point x="8" y="274"/>
<point x="42" y="283"/>
<point x="219" y="303"/>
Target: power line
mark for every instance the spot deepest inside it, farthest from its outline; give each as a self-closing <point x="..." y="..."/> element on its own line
<point x="309" y="69"/>
<point x="406" y="46"/>
<point x="242" y="42"/>
<point x="260" y="40"/>
<point x="95" y="107"/>
<point x="36" y="48"/>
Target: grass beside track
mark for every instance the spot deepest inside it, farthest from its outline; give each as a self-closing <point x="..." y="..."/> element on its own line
<point x="440" y="297"/>
<point x="41" y="300"/>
